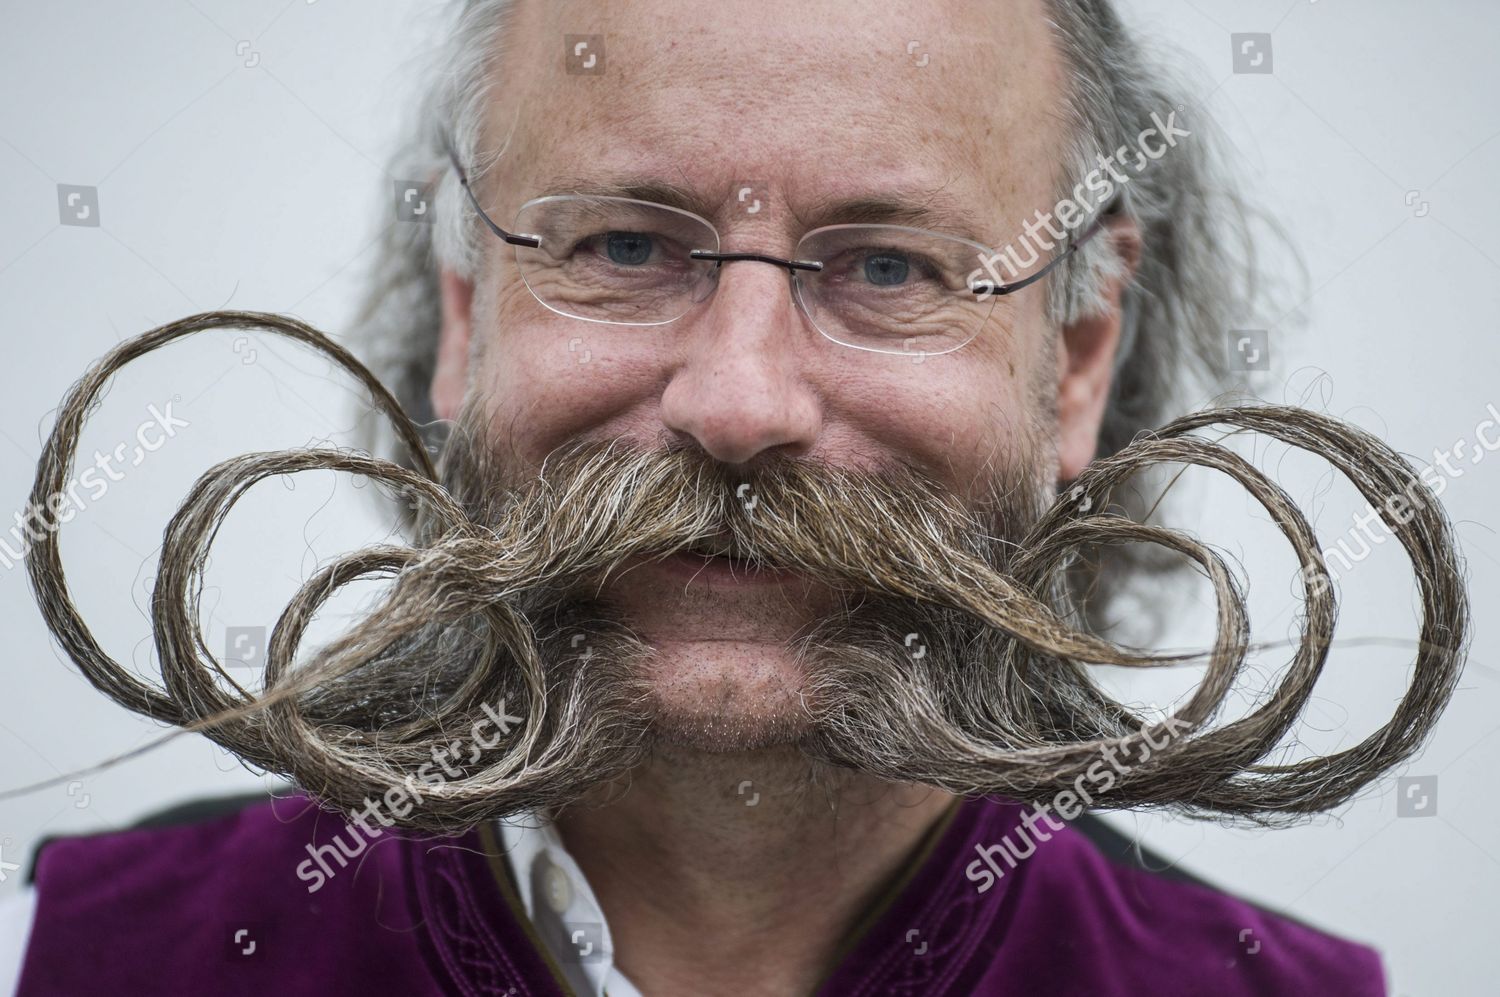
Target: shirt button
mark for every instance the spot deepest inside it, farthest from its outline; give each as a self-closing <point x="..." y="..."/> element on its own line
<point x="558" y="889"/>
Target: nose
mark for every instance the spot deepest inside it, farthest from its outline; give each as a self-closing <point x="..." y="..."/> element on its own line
<point x="740" y="388"/>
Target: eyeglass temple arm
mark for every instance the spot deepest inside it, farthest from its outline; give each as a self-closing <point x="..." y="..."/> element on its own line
<point x="529" y="241"/>
<point x="988" y="287"/>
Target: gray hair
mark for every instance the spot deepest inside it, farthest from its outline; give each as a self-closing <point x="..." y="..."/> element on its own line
<point x="1196" y="276"/>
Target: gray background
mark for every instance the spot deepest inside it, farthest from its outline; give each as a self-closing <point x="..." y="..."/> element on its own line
<point x="262" y="186"/>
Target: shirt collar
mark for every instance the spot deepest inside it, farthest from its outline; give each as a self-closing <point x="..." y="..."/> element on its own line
<point x="562" y="907"/>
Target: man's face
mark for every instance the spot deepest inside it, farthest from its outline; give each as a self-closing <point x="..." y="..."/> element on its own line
<point x="813" y="108"/>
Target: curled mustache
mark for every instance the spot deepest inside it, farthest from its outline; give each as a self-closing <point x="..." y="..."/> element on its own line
<point x="1021" y="719"/>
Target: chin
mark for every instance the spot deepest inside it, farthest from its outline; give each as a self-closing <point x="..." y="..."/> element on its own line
<point x="725" y="696"/>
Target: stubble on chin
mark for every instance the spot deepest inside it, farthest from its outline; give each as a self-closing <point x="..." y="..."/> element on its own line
<point x="718" y="696"/>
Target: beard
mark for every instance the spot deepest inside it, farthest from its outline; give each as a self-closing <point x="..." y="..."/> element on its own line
<point x="496" y="676"/>
<point x="895" y="677"/>
<point x="775" y="519"/>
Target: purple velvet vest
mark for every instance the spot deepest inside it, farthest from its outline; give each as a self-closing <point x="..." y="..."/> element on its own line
<point x="223" y="907"/>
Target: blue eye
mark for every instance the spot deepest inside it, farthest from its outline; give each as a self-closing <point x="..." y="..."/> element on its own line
<point x="886" y="269"/>
<point x="629" y="249"/>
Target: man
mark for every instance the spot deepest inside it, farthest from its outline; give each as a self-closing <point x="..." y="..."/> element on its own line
<point x="783" y="251"/>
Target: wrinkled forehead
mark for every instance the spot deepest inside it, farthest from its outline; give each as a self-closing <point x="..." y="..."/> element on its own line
<point x="952" y="100"/>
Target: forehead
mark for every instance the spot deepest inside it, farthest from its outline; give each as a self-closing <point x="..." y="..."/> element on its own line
<point x="949" y="100"/>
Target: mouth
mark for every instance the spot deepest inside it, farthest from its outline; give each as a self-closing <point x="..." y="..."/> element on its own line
<point x="718" y="560"/>
<point x="718" y="545"/>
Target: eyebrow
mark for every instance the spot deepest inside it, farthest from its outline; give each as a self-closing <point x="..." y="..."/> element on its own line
<point x="637" y="188"/>
<point x="917" y="208"/>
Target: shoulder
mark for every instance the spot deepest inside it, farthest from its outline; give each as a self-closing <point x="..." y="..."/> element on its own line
<point x="1088" y="895"/>
<point x="181" y="848"/>
<point x="228" y="893"/>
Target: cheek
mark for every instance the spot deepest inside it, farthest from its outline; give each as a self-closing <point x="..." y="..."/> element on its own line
<point x="961" y="416"/>
<point x="546" y="379"/>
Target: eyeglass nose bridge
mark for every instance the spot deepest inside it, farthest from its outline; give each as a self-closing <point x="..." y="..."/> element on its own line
<point x="722" y="258"/>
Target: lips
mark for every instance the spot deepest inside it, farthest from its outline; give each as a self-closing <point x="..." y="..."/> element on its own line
<point x="718" y="559"/>
<point x="719" y="545"/>
<point x="725" y="559"/>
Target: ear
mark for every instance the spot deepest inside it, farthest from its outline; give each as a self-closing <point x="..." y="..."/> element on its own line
<point x="451" y="375"/>
<point x="1086" y="359"/>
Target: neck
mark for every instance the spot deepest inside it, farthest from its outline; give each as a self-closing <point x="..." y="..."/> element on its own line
<point x="707" y="862"/>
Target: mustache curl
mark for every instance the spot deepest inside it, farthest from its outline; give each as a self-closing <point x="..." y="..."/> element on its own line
<point x="1027" y="720"/>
